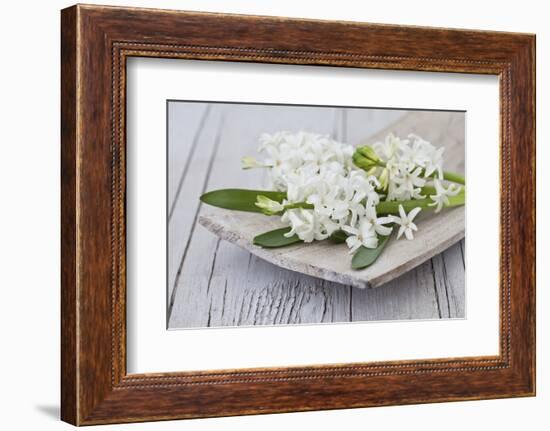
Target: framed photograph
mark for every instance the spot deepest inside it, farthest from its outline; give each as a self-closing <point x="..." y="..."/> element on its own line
<point x="264" y="215"/>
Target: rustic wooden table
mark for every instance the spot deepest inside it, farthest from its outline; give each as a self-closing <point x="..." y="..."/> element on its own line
<point x="214" y="283"/>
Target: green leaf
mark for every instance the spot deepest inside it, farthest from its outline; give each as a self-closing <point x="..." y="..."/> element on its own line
<point x="367" y="256"/>
<point x="275" y="238"/>
<point x="338" y="237"/>
<point x="239" y="199"/>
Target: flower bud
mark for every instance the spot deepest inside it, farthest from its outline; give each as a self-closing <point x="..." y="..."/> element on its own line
<point x="250" y="163"/>
<point x="365" y="158"/>
<point x="269" y="206"/>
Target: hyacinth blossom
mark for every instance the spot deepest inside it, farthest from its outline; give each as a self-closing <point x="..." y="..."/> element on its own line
<point x="323" y="189"/>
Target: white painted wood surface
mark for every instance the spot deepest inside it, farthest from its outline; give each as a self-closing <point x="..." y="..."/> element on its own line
<point x="212" y="282"/>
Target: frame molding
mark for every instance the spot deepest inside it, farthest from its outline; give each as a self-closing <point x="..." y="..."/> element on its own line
<point x="95" y="43"/>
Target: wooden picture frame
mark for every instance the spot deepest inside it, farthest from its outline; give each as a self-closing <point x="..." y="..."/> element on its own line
<point x="96" y="41"/>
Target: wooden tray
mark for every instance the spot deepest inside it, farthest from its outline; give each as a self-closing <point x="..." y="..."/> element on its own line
<point x="332" y="262"/>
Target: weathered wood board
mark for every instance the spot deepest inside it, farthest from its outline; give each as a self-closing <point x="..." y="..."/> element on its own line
<point x="213" y="282"/>
<point x="332" y="262"/>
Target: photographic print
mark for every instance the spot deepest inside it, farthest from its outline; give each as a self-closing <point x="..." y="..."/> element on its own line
<point x="291" y="214"/>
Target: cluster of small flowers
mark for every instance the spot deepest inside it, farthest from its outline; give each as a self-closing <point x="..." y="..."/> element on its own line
<point x="409" y="163"/>
<point x="326" y="192"/>
<point x="303" y="154"/>
<point x="319" y="171"/>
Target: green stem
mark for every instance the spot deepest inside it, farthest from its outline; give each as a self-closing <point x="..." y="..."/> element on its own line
<point x="303" y="205"/>
<point x="447" y="176"/>
<point x="452" y="177"/>
<point x="392" y="207"/>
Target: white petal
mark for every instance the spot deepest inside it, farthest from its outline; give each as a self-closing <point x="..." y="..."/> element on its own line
<point x="382" y="230"/>
<point x="438" y="187"/>
<point x="307" y="236"/>
<point x="401" y="230"/>
<point x="413" y="213"/>
<point x="371" y="242"/>
<point x="308" y="215"/>
<point x="370" y="210"/>
<point x="402" y="212"/>
<point x="453" y="190"/>
<point x="367" y="228"/>
<point x="290" y="233"/>
<point x="396" y="219"/>
<point x="350" y="230"/>
<point x="384" y="220"/>
<point x="409" y="234"/>
<point x="353" y="243"/>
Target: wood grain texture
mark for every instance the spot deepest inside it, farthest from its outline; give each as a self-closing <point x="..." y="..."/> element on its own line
<point x="97" y="40"/>
<point x="332" y="262"/>
<point x="69" y="352"/>
<point x="211" y="271"/>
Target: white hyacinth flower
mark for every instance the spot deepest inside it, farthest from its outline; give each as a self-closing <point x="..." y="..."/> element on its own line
<point x="302" y="224"/>
<point x="307" y="225"/>
<point x="377" y="222"/>
<point x="362" y="235"/>
<point x="406" y="162"/>
<point x="405" y="222"/>
<point x="434" y="163"/>
<point x="391" y="147"/>
<point x="303" y="152"/>
<point x="407" y="185"/>
<point x="441" y="197"/>
<point x="427" y="156"/>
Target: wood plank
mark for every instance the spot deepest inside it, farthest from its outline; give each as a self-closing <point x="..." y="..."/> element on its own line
<point x="185" y="123"/>
<point x="362" y="124"/>
<point x="239" y="297"/>
<point x="449" y="276"/>
<point x="207" y="277"/>
<point x="185" y="212"/>
<point x="410" y="296"/>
